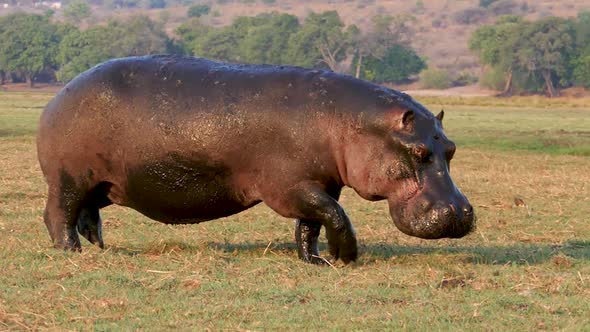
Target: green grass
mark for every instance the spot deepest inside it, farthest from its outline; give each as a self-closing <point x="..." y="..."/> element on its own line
<point x="552" y="131"/>
<point x="524" y="268"/>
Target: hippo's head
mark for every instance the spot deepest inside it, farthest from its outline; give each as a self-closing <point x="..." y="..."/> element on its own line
<point x="403" y="155"/>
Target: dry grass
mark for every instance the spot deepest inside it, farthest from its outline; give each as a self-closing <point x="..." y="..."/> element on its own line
<point x="525" y="268"/>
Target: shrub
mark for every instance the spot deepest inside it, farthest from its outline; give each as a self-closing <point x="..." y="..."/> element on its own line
<point x="486" y="3"/>
<point x="493" y="79"/>
<point x="438" y="23"/>
<point x="582" y="71"/>
<point x="198" y="10"/>
<point x="470" y="16"/>
<point x="157" y="4"/>
<point x="434" y="78"/>
<point x="464" y="79"/>
<point x="504" y="7"/>
<point x="420" y="6"/>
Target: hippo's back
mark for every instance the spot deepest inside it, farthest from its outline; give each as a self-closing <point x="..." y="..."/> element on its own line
<point x="169" y="135"/>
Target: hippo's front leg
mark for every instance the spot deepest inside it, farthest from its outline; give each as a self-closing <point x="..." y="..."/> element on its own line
<point x="307" y="233"/>
<point x="313" y="206"/>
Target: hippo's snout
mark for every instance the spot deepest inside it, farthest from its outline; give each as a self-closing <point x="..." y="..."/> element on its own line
<point x="435" y="220"/>
<point x="459" y="219"/>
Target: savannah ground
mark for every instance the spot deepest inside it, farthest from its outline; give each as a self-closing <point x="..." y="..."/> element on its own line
<point x="526" y="267"/>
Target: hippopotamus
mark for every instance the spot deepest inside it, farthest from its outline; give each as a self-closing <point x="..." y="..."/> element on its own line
<point x="187" y="140"/>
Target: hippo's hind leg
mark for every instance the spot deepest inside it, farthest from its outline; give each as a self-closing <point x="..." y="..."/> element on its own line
<point x="89" y="221"/>
<point x="71" y="208"/>
<point x="307" y="233"/>
<point x="64" y="202"/>
<point x="90" y="225"/>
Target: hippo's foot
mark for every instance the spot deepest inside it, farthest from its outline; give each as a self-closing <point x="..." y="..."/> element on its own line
<point x="317" y="208"/>
<point x="60" y="218"/>
<point x="342" y="244"/>
<point x="71" y="209"/>
<point x="306" y="237"/>
<point x="90" y="226"/>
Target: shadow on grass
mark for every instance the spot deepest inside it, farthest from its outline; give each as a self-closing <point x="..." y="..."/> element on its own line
<point x="515" y="254"/>
<point x="492" y="255"/>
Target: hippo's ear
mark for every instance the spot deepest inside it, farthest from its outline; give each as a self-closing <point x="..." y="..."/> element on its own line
<point x="440" y="115"/>
<point x="408" y="119"/>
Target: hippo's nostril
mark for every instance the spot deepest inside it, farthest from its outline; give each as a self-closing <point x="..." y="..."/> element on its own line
<point x="453" y="209"/>
<point x="468" y="210"/>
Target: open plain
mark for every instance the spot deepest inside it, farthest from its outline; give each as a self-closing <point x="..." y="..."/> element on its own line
<point x="523" y="162"/>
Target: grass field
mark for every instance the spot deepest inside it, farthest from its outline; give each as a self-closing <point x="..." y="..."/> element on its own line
<point x="524" y="268"/>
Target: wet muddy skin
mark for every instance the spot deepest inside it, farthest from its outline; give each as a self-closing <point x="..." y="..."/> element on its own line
<point x="186" y="140"/>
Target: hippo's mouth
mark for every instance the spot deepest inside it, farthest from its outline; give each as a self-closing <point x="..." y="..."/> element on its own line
<point x="435" y="223"/>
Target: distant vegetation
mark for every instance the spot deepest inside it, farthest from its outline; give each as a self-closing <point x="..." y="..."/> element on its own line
<point x="518" y="55"/>
<point x="540" y="56"/>
<point x="35" y="44"/>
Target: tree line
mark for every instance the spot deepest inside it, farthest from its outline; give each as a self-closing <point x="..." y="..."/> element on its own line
<point x="518" y="55"/>
<point x="540" y="56"/>
<point x="32" y="45"/>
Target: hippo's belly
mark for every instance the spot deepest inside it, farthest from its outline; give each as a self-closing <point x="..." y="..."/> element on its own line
<point x="182" y="191"/>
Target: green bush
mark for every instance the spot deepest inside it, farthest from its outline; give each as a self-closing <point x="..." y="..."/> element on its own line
<point x="198" y="10"/>
<point x="464" y="79"/>
<point x="493" y="79"/>
<point x="434" y="78"/>
<point x="486" y="3"/>
<point x="582" y="71"/>
<point x="470" y="16"/>
<point x="504" y="7"/>
<point x="152" y="4"/>
<point x="397" y="65"/>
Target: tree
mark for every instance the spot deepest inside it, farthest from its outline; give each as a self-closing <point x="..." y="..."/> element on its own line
<point x="76" y="11"/>
<point x="497" y="45"/>
<point x="139" y="35"/>
<point x="259" y="39"/>
<point x="547" y="47"/>
<point x="386" y="32"/>
<point x="321" y="42"/>
<point x="191" y="34"/>
<point x="29" y="44"/>
<point x="581" y="70"/>
<point x="81" y="50"/>
<point x="396" y="65"/>
<point x="581" y="59"/>
<point x="266" y="41"/>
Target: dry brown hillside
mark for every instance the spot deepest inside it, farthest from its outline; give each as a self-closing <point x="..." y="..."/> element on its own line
<point x="442" y="27"/>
